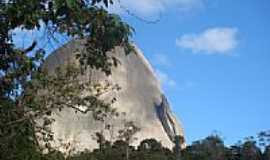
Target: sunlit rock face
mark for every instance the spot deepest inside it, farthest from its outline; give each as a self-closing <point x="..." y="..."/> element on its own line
<point x="140" y="98"/>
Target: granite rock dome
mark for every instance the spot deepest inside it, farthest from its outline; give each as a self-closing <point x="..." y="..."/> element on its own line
<point x="140" y="98"/>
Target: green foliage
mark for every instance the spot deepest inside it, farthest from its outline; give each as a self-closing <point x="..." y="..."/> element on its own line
<point x="209" y="148"/>
<point x="213" y="148"/>
<point x="150" y="149"/>
<point x="266" y="154"/>
<point x="250" y="151"/>
<point x="26" y="92"/>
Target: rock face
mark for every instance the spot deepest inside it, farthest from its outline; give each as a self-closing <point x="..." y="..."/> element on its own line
<point x="140" y="98"/>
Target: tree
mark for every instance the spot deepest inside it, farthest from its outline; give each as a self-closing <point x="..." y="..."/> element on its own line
<point x="266" y="154"/>
<point x="127" y="135"/>
<point x="250" y="151"/>
<point x="21" y="73"/>
<point x="150" y="145"/>
<point x="264" y="142"/>
<point x="178" y="141"/>
<point x="235" y="152"/>
<point x="210" y="148"/>
<point x="151" y="149"/>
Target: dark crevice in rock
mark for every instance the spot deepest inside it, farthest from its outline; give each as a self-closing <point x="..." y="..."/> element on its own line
<point x="166" y="118"/>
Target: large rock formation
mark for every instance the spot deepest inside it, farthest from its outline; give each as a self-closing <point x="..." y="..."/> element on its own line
<point x="140" y="98"/>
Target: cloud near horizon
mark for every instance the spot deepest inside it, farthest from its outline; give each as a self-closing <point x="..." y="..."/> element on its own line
<point x="219" y="40"/>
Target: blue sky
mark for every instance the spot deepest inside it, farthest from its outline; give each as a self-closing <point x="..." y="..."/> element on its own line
<point x="213" y="58"/>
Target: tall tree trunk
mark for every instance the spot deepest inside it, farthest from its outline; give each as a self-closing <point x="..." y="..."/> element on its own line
<point x="127" y="152"/>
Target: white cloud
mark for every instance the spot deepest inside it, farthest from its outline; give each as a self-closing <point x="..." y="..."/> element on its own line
<point x="161" y="60"/>
<point x="153" y="7"/>
<point x="164" y="79"/>
<point x="220" y="40"/>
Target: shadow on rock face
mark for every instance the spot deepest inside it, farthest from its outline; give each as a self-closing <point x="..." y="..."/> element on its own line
<point x="168" y="120"/>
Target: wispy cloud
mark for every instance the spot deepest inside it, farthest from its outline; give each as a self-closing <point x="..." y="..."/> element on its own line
<point x="219" y="40"/>
<point x="161" y="60"/>
<point x="165" y="79"/>
<point x="153" y="7"/>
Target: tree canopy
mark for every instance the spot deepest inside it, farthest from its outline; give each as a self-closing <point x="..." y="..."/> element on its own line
<point x="22" y="77"/>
